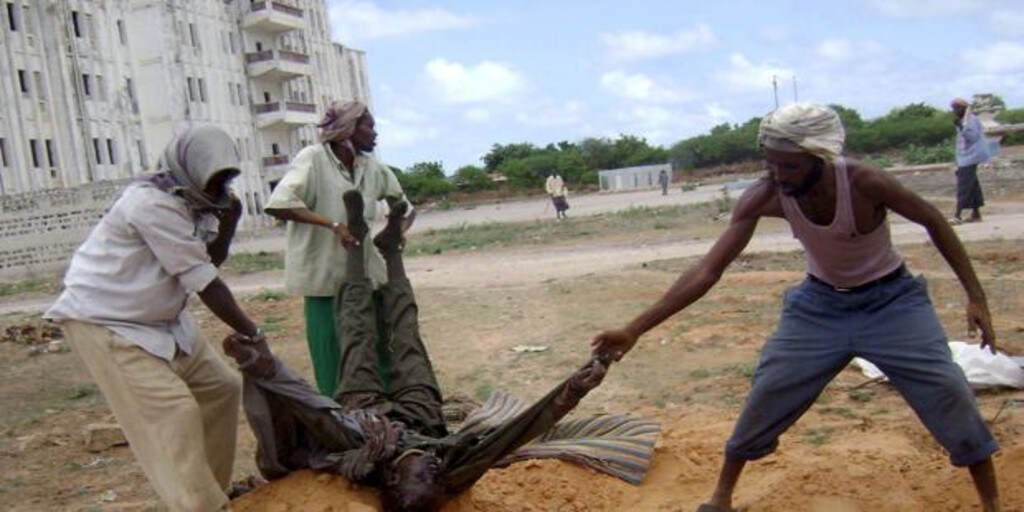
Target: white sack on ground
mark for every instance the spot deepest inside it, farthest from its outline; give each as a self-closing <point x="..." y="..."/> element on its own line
<point x="983" y="368"/>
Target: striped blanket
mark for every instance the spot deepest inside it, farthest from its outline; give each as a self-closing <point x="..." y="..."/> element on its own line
<point x="617" y="445"/>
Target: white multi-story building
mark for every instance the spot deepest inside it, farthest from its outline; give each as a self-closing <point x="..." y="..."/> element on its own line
<point x="92" y="90"/>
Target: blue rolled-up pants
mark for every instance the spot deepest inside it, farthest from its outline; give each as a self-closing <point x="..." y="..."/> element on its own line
<point x="894" y="326"/>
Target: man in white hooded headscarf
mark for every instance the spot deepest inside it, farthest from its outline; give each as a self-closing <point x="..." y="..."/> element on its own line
<point x="858" y="300"/>
<point x="123" y="311"/>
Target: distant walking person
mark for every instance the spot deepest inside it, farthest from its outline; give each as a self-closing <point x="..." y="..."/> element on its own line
<point x="663" y="181"/>
<point x="970" y="151"/>
<point x="555" y="188"/>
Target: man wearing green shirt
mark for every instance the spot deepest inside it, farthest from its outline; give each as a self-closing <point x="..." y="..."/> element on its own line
<point x="309" y="197"/>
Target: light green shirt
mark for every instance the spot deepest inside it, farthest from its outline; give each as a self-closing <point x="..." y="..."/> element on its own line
<point x="314" y="260"/>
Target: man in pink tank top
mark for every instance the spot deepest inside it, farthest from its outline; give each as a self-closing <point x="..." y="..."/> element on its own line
<point x="858" y="300"/>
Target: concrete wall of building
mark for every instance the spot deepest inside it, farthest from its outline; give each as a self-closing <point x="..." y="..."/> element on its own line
<point x="93" y="90"/>
<point x="41" y="229"/>
<point x="628" y="178"/>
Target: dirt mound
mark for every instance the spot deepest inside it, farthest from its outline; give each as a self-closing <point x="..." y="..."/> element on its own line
<point x="861" y="467"/>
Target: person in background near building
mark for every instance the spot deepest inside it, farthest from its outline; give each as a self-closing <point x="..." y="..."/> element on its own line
<point x="555" y="188"/>
<point x="663" y="181"/>
<point x="309" y="196"/>
<point x="123" y="311"/>
<point x="859" y="299"/>
<point x="971" y="150"/>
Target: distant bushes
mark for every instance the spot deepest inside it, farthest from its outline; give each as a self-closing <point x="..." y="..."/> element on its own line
<point x="912" y="134"/>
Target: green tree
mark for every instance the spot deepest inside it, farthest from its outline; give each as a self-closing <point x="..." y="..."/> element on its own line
<point x="425" y="181"/>
<point x="850" y="118"/>
<point x="472" y="178"/>
<point x="500" y="153"/>
<point x="913" y="111"/>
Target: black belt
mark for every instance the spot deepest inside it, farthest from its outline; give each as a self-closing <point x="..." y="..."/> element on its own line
<point x="891" y="276"/>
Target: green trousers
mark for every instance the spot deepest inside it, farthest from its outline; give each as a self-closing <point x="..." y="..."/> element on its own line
<point x="325" y="342"/>
<point x="412" y="396"/>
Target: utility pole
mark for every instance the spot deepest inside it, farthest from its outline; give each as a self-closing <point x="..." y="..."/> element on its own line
<point x="794" y="89"/>
<point x="775" y="90"/>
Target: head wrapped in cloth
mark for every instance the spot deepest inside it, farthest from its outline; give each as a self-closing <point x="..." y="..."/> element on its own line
<point x="959" y="102"/>
<point x="190" y="160"/>
<point x="339" y="122"/>
<point x="803" y="127"/>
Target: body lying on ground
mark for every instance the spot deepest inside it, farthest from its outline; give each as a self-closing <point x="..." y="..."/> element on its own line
<point x="394" y="437"/>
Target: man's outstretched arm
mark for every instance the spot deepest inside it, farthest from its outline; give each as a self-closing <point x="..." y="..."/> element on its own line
<point x="695" y="281"/>
<point x="894" y="196"/>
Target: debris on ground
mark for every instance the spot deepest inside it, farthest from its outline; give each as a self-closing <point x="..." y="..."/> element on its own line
<point x="101" y="436"/>
<point x="32" y="334"/>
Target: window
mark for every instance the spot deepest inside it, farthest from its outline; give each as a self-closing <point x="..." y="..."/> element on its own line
<point x="86" y="86"/>
<point x="77" y="23"/>
<point x="96" y="151"/>
<point x="22" y="81"/>
<point x="142" y="153"/>
<point x="110" y="151"/>
<point x="121" y="32"/>
<point x="130" y="89"/>
<point x="192" y="35"/>
<point x="91" y="27"/>
<point x="26" y="19"/>
<point x="33" y="149"/>
<point x="101" y="91"/>
<point x="241" y="98"/>
<point x="202" y="89"/>
<point x="275" y="149"/>
<point x="12" y="20"/>
<point x="231" y="93"/>
<point x="231" y="43"/>
<point x="40" y="92"/>
<point x="191" y="89"/>
<point x="3" y="152"/>
<point x="51" y="153"/>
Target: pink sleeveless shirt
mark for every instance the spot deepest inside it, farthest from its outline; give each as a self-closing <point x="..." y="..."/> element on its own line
<point x="837" y="253"/>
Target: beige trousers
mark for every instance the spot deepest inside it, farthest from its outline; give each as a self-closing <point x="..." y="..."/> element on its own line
<point x="180" y="417"/>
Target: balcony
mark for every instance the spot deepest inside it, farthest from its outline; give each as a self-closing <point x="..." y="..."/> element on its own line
<point x="278" y="65"/>
<point x="273" y="17"/>
<point x="284" y="114"/>
<point x="274" y="167"/>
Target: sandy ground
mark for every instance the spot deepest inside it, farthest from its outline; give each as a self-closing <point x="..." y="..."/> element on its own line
<point x="856" y="450"/>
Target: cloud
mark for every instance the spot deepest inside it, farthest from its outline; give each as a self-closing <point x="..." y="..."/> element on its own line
<point x="547" y="114"/>
<point x="835" y="49"/>
<point x="718" y="114"/>
<point x="999" y="57"/>
<point x="1007" y="23"/>
<point x="405" y="128"/>
<point x="477" y="115"/>
<point x="355" y="21"/>
<point x="638" y="45"/>
<point x="484" y="82"/>
<point x="745" y="76"/>
<point x="775" y="33"/>
<point x="640" y="87"/>
<point x="921" y="8"/>
<point x="841" y="50"/>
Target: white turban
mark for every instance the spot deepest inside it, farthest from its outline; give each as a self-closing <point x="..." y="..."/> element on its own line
<point x="803" y="127"/>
